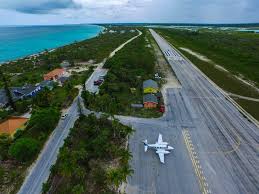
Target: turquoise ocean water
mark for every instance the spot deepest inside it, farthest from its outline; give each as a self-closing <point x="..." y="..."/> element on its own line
<point x="17" y="42"/>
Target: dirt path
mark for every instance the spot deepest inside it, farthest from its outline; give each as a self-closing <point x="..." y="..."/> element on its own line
<point x="243" y="97"/>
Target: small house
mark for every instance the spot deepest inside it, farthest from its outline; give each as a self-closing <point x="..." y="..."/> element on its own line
<point x="24" y="92"/>
<point x="55" y="74"/>
<point x="18" y="93"/>
<point x="150" y="101"/>
<point x="150" y="87"/>
<point x="12" y="125"/>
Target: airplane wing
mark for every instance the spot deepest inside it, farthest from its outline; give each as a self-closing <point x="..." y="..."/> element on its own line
<point x="161" y="156"/>
<point x="160" y="139"/>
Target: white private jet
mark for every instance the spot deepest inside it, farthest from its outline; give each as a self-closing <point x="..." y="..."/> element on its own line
<point x="161" y="148"/>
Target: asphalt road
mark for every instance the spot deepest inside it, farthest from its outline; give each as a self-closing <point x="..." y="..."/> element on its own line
<point x="216" y="147"/>
<point x="89" y="85"/>
<point x="40" y="171"/>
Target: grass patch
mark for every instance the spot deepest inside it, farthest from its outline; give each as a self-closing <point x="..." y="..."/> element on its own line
<point x="250" y="106"/>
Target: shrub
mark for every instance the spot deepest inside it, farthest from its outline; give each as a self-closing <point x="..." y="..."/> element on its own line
<point x="5" y="142"/>
<point x="24" y="149"/>
<point x="44" y="119"/>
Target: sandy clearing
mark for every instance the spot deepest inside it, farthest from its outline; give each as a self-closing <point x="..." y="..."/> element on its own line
<point x="198" y="55"/>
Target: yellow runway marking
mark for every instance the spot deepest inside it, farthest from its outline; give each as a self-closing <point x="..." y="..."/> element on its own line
<point x="195" y="162"/>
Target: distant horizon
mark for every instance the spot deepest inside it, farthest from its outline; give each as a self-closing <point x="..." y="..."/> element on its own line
<point x="119" y="23"/>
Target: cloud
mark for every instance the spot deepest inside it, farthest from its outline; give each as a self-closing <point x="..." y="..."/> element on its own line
<point x="37" y="6"/>
<point x="98" y="11"/>
<point x="54" y="6"/>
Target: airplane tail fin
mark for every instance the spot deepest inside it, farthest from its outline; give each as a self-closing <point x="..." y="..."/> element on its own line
<point x="145" y="145"/>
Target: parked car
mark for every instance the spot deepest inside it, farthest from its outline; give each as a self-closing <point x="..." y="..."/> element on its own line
<point x="101" y="77"/>
<point x="98" y="82"/>
<point x="63" y="116"/>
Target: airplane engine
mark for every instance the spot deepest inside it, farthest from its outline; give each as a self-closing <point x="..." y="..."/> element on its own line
<point x="145" y="145"/>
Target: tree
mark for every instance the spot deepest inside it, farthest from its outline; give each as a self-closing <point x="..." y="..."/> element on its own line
<point x="45" y="187"/>
<point x="1" y="174"/>
<point x="118" y="175"/>
<point x="22" y="106"/>
<point x="5" y="142"/>
<point x="78" y="189"/>
<point x="114" y="176"/>
<point x="43" y="98"/>
<point x="24" y="149"/>
<point x="44" y="119"/>
<point x="7" y="90"/>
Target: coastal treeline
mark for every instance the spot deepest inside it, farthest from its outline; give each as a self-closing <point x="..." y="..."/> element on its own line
<point x="94" y="158"/>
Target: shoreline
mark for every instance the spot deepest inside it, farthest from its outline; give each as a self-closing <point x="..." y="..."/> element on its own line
<point x="37" y="54"/>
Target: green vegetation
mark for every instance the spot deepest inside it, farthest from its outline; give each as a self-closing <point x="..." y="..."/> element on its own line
<point x="94" y="158"/>
<point x="42" y="122"/>
<point x="5" y="142"/>
<point x="18" y="153"/>
<point x="239" y="59"/>
<point x="237" y="52"/>
<point x="31" y="70"/>
<point x="123" y="83"/>
<point x="4" y="114"/>
<point x="24" y="149"/>
<point x="250" y="106"/>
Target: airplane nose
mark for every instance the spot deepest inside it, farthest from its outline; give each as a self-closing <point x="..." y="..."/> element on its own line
<point x="170" y="148"/>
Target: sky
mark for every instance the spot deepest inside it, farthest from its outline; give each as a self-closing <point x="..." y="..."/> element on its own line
<point x="45" y="12"/>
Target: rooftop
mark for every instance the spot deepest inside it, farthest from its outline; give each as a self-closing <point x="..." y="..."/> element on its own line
<point x="21" y="91"/>
<point x="55" y="72"/>
<point x="150" y="83"/>
<point x="150" y="98"/>
<point x="12" y="124"/>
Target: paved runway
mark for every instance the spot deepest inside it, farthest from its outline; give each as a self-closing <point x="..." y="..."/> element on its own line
<point x="216" y="147"/>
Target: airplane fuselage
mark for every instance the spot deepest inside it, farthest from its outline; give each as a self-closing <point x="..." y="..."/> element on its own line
<point x="160" y="146"/>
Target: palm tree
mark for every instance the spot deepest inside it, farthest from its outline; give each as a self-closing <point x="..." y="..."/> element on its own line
<point x="125" y="156"/>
